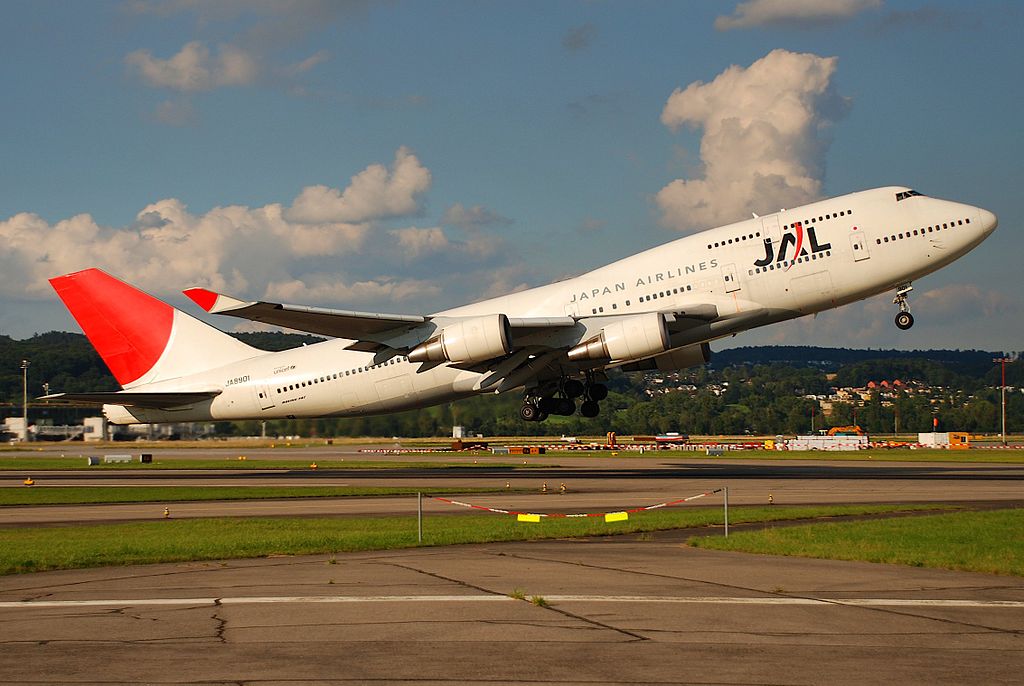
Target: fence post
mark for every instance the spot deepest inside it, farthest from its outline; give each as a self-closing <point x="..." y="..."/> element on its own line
<point x="419" y="517"/>
<point x="727" y="511"/>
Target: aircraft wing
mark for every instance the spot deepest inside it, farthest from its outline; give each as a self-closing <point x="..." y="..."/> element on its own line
<point x="149" y="400"/>
<point x="359" y="326"/>
<point x="371" y="331"/>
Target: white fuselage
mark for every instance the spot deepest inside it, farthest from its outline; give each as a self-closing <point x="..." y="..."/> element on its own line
<point x="851" y="247"/>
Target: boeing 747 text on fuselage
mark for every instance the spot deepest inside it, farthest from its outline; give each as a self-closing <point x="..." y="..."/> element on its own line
<point x="658" y="309"/>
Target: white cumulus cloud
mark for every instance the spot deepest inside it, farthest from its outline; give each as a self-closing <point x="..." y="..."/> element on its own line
<point x="762" y="145"/>
<point x="792" y="13"/>
<point x="194" y="69"/>
<point x="374" y="193"/>
<point x="249" y="251"/>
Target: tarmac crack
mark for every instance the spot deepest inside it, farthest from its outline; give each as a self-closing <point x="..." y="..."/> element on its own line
<point x="827" y="601"/>
<point x="551" y="608"/>
<point x="221" y="624"/>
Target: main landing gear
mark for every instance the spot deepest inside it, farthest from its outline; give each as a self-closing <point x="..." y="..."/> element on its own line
<point x="904" y="320"/>
<point x="537" y="408"/>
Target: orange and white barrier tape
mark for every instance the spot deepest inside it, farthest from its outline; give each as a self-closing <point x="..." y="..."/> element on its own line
<point x="535" y="517"/>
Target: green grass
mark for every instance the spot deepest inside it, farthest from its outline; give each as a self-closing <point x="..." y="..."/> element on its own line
<point x="68" y="547"/>
<point x="29" y="465"/>
<point x="991" y="541"/>
<point x="78" y="495"/>
<point x="32" y="465"/>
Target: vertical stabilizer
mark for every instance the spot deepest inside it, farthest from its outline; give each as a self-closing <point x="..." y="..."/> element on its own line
<point x="141" y="339"/>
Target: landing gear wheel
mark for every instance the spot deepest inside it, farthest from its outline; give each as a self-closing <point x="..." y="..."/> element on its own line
<point x="565" y="407"/>
<point x="529" y="413"/>
<point x="904" y="320"/>
<point x="573" y="388"/>
<point x="597" y="391"/>
<point x="590" y="408"/>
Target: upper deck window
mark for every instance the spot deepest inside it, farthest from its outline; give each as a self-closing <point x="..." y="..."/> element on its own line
<point x="903" y="195"/>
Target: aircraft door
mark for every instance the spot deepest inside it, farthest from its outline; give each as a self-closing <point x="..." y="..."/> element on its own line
<point x="732" y="283"/>
<point x="264" y="397"/>
<point x="859" y="247"/>
<point x="770" y="228"/>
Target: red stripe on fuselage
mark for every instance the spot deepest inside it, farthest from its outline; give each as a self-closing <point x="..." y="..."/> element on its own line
<point x="129" y="329"/>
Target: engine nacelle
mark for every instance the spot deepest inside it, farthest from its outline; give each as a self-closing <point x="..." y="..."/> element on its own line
<point x="674" y="360"/>
<point x="471" y="340"/>
<point x="626" y="339"/>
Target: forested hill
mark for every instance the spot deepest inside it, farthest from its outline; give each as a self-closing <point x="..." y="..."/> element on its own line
<point x="972" y="362"/>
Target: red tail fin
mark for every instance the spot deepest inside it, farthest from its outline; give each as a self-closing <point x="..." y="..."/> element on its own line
<point x="129" y="329"/>
<point x="142" y="339"/>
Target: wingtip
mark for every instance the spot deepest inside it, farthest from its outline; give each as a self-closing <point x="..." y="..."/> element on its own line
<point x="202" y="297"/>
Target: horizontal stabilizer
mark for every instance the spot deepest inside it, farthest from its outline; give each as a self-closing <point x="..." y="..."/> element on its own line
<point x="153" y="401"/>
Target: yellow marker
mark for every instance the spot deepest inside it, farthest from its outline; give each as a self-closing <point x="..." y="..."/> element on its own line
<point x="167" y="513"/>
<point x="616" y="517"/>
<point x="313" y="465"/>
<point x="28" y="481"/>
<point x="529" y="518"/>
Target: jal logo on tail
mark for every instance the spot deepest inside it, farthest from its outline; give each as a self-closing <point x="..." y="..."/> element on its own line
<point x="794" y="237"/>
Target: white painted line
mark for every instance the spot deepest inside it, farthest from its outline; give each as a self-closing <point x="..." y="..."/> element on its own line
<point x="777" y="600"/>
<point x="711" y="600"/>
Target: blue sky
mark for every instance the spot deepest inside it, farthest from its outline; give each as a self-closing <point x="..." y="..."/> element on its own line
<point x="410" y="156"/>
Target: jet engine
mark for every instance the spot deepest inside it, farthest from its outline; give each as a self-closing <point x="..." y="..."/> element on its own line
<point x="679" y="358"/>
<point x="470" y="340"/>
<point x="626" y="339"/>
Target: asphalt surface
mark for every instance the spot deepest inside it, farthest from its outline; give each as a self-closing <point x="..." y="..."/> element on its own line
<point x="638" y="609"/>
<point x="627" y="610"/>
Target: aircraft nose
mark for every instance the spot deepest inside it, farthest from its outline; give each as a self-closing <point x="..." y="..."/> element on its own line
<point x="988" y="220"/>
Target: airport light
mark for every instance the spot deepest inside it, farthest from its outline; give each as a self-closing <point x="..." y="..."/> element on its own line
<point x="1002" y="363"/>
<point x="24" y="396"/>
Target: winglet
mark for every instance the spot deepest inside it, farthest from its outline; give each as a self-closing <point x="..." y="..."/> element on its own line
<point x="213" y="302"/>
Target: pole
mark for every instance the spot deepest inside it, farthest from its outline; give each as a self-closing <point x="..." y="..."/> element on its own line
<point x="727" y="512"/>
<point x="419" y="517"/>
<point x="1002" y="363"/>
<point x="24" y="396"/>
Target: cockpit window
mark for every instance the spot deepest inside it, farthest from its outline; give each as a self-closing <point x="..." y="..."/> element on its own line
<point x="903" y="195"/>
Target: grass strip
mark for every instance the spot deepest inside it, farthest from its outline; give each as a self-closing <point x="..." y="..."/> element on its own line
<point x="82" y="495"/>
<point x="33" y="465"/>
<point x="71" y="547"/>
<point x="990" y="541"/>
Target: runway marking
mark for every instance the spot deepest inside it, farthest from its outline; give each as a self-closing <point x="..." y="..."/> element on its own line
<point x="712" y="600"/>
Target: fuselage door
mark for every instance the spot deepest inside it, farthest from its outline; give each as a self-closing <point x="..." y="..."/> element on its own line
<point x="263" y="397"/>
<point x="729" y="276"/>
<point x="859" y="247"/>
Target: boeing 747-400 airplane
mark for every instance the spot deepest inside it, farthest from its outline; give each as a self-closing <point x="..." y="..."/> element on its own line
<point x="658" y="309"/>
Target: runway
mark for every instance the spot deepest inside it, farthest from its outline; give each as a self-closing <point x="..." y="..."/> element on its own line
<point x="626" y="610"/>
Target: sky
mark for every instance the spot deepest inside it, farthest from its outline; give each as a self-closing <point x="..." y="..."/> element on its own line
<point x="407" y="157"/>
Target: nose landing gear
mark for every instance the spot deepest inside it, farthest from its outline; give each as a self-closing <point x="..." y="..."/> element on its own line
<point x="904" y="320"/>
